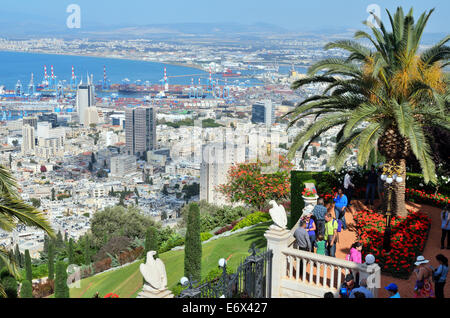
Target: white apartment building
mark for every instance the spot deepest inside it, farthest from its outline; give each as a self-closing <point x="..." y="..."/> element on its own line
<point x="123" y="165"/>
<point x="28" y="146"/>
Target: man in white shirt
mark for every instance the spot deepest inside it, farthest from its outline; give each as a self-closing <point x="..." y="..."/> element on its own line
<point x="348" y="186"/>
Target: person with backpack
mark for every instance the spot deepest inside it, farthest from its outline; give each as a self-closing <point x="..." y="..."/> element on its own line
<point x="331" y="234"/>
<point x="319" y="213"/>
<point x="440" y="275"/>
<point x="340" y="206"/>
<point x="445" y="226"/>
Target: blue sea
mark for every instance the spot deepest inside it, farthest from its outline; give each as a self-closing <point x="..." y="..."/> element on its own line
<point x="16" y="66"/>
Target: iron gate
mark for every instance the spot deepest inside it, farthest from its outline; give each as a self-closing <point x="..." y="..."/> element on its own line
<point x="251" y="280"/>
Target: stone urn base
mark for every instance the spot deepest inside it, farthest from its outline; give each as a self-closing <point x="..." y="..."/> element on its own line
<point x="310" y="200"/>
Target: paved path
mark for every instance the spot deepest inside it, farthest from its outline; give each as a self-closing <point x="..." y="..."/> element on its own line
<point x="432" y="247"/>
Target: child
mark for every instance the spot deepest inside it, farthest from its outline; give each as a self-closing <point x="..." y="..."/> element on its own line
<point x="320" y="244"/>
<point x="355" y="253"/>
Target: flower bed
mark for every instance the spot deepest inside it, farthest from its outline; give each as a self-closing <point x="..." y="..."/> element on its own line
<point x="408" y="240"/>
<point x="418" y="196"/>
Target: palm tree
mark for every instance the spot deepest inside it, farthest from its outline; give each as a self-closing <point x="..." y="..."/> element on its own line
<point x="12" y="211"/>
<point x="381" y="99"/>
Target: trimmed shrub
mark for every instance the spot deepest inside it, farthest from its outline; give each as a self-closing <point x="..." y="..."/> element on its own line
<point x="29" y="271"/>
<point x="193" y="245"/>
<point x="61" y="287"/>
<point x="254" y="218"/>
<point x="204" y="236"/>
<point x="26" y="291"/>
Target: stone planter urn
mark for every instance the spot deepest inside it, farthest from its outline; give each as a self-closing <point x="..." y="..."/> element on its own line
<point x="310" y="200"/>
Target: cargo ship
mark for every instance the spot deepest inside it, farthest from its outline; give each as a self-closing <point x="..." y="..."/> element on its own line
<point x="229" y="73"/>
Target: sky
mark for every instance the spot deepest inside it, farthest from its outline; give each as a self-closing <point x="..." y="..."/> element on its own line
<point x="293" y="15"/>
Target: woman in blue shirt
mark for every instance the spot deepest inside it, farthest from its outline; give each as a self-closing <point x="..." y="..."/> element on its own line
<point x="440" y="275"/>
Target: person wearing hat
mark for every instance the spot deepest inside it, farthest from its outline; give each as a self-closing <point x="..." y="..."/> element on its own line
<point x="347" y="286"/>
<point x="392" y="290"/>
<point x="424" y="273"/>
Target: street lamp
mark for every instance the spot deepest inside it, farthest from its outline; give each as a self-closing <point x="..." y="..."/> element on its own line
<point x="391" y="174"/>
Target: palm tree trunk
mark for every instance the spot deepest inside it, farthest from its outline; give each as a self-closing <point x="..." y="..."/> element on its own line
<point x="397" y="203"/>
<point x="399" y="207"/>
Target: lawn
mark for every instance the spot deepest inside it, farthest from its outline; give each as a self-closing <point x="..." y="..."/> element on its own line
<point x="127" y="281"/>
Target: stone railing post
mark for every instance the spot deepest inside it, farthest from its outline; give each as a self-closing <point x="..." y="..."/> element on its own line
<point x="277" y="240"/>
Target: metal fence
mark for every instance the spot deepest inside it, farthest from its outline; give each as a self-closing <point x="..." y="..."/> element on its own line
<point x="251" y="280"/>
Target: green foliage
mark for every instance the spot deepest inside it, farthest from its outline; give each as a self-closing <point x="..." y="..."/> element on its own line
<point x="252" y="219"/>
<point x="191" y="190"/>
<point x="87" y="254"/>
<point x="61" y="288"/>
<point x="204" y="236"/>
<point x="118" y="221"/>
<point x="213" y="216"/>
<point x="193" y="245"/>
<point x="26" y="290"/>
<point x="36" y="202"/>
<point x="59" y="240"/>
<point x="10" y="286"/>
<point x="70" y="251"/>
<point x="172" y="241"/>
<point x="51" y="260"/>
<point x="210" y="123"/>
<point x="151" y="240"/>
<point x="29" y="271"/>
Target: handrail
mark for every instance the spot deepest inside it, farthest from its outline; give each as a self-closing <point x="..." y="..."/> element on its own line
<point x="325" y="259"/>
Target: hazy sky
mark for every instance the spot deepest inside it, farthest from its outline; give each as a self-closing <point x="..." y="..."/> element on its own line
<point x="291" y="14"/>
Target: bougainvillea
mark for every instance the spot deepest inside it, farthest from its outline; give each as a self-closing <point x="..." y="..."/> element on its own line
<point x="409" y="235"/>
<point x="248" y="184"/>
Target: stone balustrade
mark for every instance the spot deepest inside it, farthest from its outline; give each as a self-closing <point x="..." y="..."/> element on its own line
<point x="314" y="274"/>
<point x="317" y="275"/>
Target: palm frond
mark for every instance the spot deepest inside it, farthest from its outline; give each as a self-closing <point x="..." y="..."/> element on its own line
<point x="16" y="209"/>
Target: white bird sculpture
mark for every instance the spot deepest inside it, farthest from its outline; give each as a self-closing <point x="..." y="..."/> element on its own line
<point x="278" y="214"/>
<point x="154" y="272"/>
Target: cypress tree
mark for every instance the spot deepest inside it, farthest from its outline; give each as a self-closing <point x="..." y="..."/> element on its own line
<point x="28" y="266"/>
<point x="151" y="241"/>
<point x="193" y="245"/>
<point x="17" y="256"/>
<point x="46" y="244"/>
<point x="51" y="260"/>
<point x="70" y="252"/>
<point x="59" y="240"/>
<point x="65" y="238"/>
<point x="61" y="288"/>
<point x="26" y="291"/>
<point x="87" y="257"/>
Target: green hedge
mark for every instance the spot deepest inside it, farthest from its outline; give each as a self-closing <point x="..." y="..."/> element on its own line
<point x="252" y="219"/>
